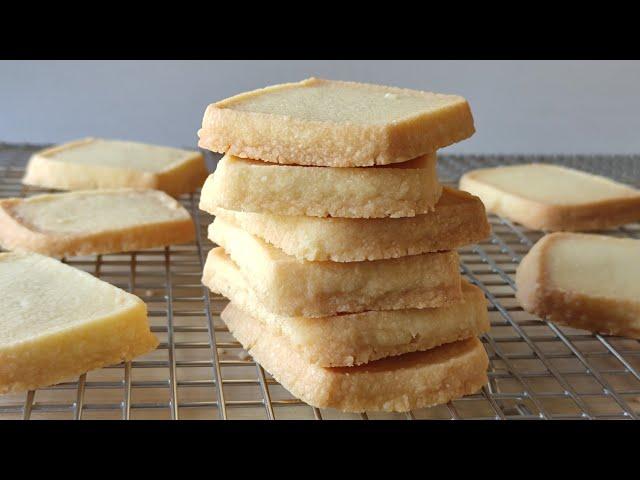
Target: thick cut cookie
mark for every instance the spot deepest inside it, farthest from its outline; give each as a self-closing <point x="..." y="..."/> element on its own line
<point x="458" y="219"/>
<point x="549" y="197"/>
<point x="95" y="163"/>
<point x="397" y="384"/>
<point x="93" y="222"/>
<point x="355" y="338"/>
<point x="287" y="286"/>
<point x="334" y="124"/>
<point x="584" y="281"/>
<point x="401" y="190"/>
<point x="57" y="322"/>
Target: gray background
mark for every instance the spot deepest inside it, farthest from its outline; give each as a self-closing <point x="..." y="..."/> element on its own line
<point x="519" y="106"/>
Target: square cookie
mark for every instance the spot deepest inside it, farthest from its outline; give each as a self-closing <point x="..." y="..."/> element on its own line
<point x="58" y="322"/>
<point x="393" y="384"/>
<point x="549" y="197"/>
<point x="354" y="338"/>
<point x="287" y="286"/>
<point x="401" y="190"/>
<point x="458" y="219"/>
<point x="95" y="163"/>
<point x="584" y="281"/>
<point x="93" y="222"/>
<point x="334" y="124"/>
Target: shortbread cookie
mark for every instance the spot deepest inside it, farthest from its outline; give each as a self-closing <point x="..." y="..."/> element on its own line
<point x="549" y="197"/>
<point x="287" y="286"/>
<point x="458" y="219"/>
<point x="335" y="124"/>
<point x="57" y="322"/>
<point x="95" y="163"/>
<point x="401" y="190"/>
<point x="356" y="338"/>
<point x="584" y="281"/>
<point x="400" y="383"/>
<point x="93" y="221"/>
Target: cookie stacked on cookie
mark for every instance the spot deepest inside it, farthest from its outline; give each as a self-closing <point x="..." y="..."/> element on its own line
<point x="337" y="242"/>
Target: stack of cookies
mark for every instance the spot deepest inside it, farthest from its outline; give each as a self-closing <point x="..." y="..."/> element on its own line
<point x="337" y="242"/>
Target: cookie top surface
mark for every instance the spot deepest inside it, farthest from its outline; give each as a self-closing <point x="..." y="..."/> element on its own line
<point x="340" y="102"/>
<point x="94" y="210"/>
<point x="335" y="124"/>
<point x="552" y="185"/>
<point x="118" y="154"/>
<point x="594" y="265"/>
<point x="41" y="295"/>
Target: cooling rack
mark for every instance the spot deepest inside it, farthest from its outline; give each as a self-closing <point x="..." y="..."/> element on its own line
<point x="539" y="370"/>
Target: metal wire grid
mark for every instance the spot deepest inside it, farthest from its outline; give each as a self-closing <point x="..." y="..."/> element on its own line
<point x="538" y="369"/>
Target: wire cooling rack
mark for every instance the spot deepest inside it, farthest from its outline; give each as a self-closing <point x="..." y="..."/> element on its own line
<point x="538" y="370"/>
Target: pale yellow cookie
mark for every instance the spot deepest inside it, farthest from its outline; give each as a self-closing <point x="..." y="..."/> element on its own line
<point x="584" y="281"/>
<point x="95" y="163"/>
<point x="458" y="219"/>
<point x="549" y="197"/>
<point x="93" y="222"/>
<point x="356" y="338"/>
<point x="402" y="190"/>
<point x="289" y="287"/>
<point x="57" y="322"/>
<point x="334" y="124"/>
<point x="398" y="384"/>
